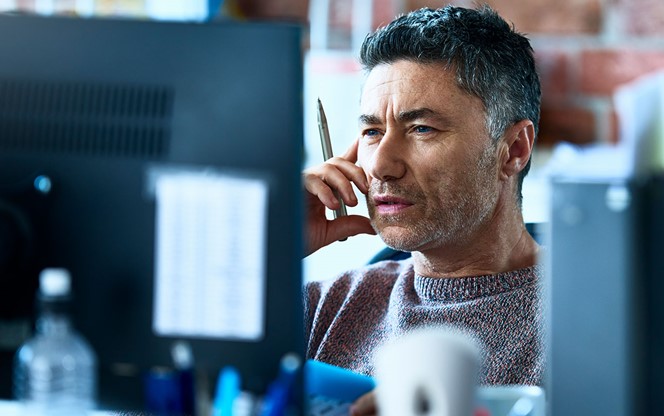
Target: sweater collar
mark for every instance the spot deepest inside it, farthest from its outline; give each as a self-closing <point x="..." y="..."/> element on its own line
<point x="467" y="288"/>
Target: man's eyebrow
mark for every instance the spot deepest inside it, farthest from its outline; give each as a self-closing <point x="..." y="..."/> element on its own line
<point x="405" y="116"/>
<point x="419" y="113"/>
<point x="369" y="119"/>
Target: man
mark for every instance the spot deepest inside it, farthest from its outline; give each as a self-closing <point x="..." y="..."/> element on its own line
<point x="449" y="115"/>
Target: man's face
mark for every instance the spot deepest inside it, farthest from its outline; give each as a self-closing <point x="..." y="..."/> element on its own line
<point x="431" y="165"/>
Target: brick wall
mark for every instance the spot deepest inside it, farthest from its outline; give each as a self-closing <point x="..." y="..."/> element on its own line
<point x="584" y="49"/>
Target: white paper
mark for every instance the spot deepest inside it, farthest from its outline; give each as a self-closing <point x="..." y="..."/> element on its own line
<point x="210" y="255"/>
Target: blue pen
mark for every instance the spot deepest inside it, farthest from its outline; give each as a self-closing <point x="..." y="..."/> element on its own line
<point x="279" y="391"/>
<point x="228" y="389"/>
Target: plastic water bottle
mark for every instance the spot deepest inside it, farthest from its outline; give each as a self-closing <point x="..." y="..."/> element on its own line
<point x="55" y="371"/>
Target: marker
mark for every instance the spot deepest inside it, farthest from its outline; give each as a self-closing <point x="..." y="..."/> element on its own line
<point x="326" y="144"/>
<point x="228" y="390"/>
<point x="279" y="391"/>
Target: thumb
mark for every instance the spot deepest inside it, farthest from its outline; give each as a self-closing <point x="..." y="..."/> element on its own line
<point x="348" y="226"/>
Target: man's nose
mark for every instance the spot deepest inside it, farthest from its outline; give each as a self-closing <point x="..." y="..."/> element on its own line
<point x="388" y="160"/>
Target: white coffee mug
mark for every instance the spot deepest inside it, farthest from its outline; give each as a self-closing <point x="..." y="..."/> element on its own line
<point x="430" y="371"/>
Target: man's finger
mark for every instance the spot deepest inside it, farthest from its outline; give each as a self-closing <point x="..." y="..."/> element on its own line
<point x="351" y="152"/>
<point x="365" y="405"/>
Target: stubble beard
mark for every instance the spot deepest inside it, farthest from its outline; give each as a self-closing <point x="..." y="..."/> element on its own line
<point x="452" y="222"/>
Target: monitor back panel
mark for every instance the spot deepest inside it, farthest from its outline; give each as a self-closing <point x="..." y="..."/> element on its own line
<point x="97" y="107"/>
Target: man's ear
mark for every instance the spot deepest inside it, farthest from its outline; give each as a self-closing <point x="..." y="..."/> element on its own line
<point x="517" y="143"/>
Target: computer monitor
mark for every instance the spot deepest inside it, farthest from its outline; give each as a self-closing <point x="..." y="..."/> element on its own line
<point x="159" y="163"/>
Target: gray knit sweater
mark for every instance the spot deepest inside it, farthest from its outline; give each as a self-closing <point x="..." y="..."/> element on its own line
<point x="347" y="318"/>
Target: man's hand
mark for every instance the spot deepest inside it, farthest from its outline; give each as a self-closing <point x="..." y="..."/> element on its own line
<point x="365" y="405"/>
<point x="321" y="182"/>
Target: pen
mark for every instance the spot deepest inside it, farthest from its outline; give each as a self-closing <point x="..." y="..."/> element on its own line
<point x="326" y="144"/>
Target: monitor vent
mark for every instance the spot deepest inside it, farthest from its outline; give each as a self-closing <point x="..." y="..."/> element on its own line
<point x="108" y="120"/>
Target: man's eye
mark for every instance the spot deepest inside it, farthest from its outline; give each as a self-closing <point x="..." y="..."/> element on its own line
<point x="370" y="132"/>
<point x="422" y="129"/>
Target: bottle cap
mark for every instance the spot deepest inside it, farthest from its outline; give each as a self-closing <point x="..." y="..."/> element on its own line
<point x="54" y="282"/>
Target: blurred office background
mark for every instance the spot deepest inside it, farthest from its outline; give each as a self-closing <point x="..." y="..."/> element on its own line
<point x="586" y="50"/>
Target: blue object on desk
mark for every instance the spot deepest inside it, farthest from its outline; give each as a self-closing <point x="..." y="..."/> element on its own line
<point x="228" y="389"/>
<point x="322" y="379"/>
<point x="162" y="391"/>
<point x="183" y="361"/>
<point x="280" y="390"/>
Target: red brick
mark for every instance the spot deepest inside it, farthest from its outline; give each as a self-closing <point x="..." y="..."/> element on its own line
<point x="576" y="125"/>
<point x="340" y="13"/>
<point x="26" y="5"/>
<point x="385" y="11"/>
<point x="540" y="16"/>
<point x="604" y="70"/>
<point x="418" y="4"/>
<point x="555" y="73"/>
<point x="642" y="17"/>
<point x="289" y="10"/>
<point x="547" y="17"/>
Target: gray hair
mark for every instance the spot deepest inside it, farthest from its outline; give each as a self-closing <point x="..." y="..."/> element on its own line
<point x="492" y="61"/>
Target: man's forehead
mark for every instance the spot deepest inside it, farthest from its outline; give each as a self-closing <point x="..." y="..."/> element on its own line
<point x="417" y="75"/>
<point x="410" y="84"/>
